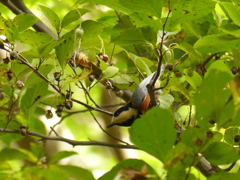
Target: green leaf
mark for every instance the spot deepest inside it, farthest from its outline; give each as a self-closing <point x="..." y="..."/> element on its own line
<point x="36" y="125"/>
<point x="232" y="11"/>
<point x="214" y="44"/>
<point x="135" y="164"/>
<point x="11" y="154"/>
<point x="219" y="153"/>
<point x="129" y="37"/>
<point x="52" y="17"/>
<point x="11" y="31"/>
<point x="67" y="171"/>
<point x="92" y="30"/>
<point x="188" y="48"/>
<point x="190" y="137"/>
<point x="4" y="166"/>
<point x="66" y="48"/>
<point x="84" y="74"/>
<point x="211" y="96"/>
<point x="142" y="63"/>
<point x="186" y="10"/>
<point x="61" y="155"/>
<point x="109" y="72"/>
<point x="153" y="7"/>
<point x="195" y="80"/>
<point x="142" y="19"/>
<point x="40" y="42"/>
<point x="166" y="100"/>
<point x="230" y="133"/>
<point x="114" y="4"/>
<point x="36" y="87"/>
<point x="24" y="21"/>
<point x="70" y="17"/>
<point x="224" y="175"/>
<point x="154" y="132"/>
<point x="231" y="29"/>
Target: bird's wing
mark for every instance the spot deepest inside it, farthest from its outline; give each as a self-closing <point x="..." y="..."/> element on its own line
<point x="141" y="91"/>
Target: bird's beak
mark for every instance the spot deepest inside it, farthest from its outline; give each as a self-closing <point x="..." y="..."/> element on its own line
<point x="111" y="124"/>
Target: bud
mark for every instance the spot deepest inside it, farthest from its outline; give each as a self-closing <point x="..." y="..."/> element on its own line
<point x="57" y="76"/>
<point x="19" y="84"/>
<point x="79" y="33"/>
<point x="119" y="93"/>
<point x="68" y="105"/>
<point x="9" y="74"/>
<point x="13" y="55"/>
<point x="49" y="114"/>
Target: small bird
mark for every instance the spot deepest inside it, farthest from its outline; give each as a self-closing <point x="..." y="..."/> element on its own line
<point x="138" y="105"/>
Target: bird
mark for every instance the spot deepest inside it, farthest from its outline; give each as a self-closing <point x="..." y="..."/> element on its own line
<point x="138" y="105"/>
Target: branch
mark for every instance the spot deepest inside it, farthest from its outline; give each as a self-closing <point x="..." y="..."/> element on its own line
<point x="151" y="88"/>
<point x="18" y="7"/>
<point x="23" y="60"/>
<point x="206" y="168"/>
<point x="69" y="141"/>
<point x="170" y="72"/>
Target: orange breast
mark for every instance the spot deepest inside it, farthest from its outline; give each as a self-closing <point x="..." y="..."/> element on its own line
<point x="145" y="104"/>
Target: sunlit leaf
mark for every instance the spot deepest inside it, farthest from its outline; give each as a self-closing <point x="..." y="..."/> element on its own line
<point x="153" y="7"/>
<point x="66" y="48"/>
<point x="190" y="10"/>
<point x="41" y="43"/>
<point x="214" y="44"/>
<point x="232" y="11"/>
<point x="24" y="21"/>
<point x="70" y="17"/>
<point x="109" y="72"/>
<point x="52" y="17"/>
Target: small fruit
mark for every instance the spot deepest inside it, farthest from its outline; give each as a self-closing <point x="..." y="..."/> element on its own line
<point x="68" y="105"/>
<point x="178" y="73"/>
<point x="119" y="93"/>
<point x="79" y="32"/>
<point x="9" y="74"/>
<point x="19" y="84"/>
<point x="13" y="55"/>
<point x="91" y="77"/>
<point x="59" y="108"/>
<point x="169" y="66"/>
<point x="237" y="138"/>
<point x="103" y="57"/>
<point x="57" y="76"/>
<point x="189" y="72"/>
<point x="234" y="70"/>
<point x="69" y="94"/>
<point x="59" y="114"/>
<point x="2" y="95"/>
<point x="24" y="130"/>
<point x="212" y="122"/>
<point x="6" y="60"/>
<point x="49" y="114"/>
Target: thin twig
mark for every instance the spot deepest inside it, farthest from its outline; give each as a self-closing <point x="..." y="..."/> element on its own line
<point x="150" y="87"/>
<point x="69" y="141"/>
<point x="117" y="139"/>
<point x="170" y="72"/>
<point x="25" y="61"/>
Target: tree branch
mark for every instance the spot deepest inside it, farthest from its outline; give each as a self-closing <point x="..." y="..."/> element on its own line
<point x="18" y="7"/>
<point x="69" y="141"/>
